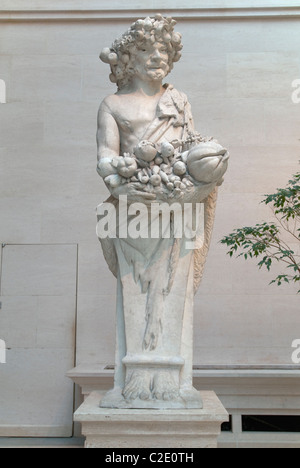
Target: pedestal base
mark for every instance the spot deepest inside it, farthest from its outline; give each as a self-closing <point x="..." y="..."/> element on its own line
<point x="145" y="428"/>
<point x="187" y="399"/>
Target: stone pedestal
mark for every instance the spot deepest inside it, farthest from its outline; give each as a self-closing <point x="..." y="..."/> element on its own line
<point x="140" y="428"/>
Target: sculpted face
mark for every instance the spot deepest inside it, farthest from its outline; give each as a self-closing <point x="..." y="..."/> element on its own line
<point x="151" y="61"/>
<point x="148" y="49"/>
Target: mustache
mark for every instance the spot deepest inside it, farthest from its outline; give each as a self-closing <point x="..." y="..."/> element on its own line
<point x="156" y="65"/>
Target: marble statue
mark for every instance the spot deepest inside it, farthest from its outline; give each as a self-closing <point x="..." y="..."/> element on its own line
<point x="150" y="155"/>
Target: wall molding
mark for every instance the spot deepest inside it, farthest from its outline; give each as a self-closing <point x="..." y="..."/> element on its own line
<point x="89" y="14"/>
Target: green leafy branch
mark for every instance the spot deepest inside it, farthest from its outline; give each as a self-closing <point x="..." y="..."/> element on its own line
<point x="265" y="241"/>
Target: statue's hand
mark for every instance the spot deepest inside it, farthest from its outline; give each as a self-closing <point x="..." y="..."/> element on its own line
<point x="135" y="193"/>
<point x="125" y="166"/>
<point x="207" y="162"/>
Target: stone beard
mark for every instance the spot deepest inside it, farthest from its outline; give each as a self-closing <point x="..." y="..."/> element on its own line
<point x="150" y="153"/>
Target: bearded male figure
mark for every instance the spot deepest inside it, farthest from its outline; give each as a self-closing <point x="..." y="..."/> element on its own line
<point x="148" y="151"/>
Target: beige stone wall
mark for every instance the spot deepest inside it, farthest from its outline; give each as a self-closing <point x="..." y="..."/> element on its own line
<point x="238" y="74"/>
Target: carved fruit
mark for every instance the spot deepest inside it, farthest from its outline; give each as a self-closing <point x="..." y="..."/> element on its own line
<point x="155" y="180"/>
<point x="127" y="167"/>
<point x="164" y="177"/>
<point x="148" y="24"/>
<point x="167" y="149"/>
<point x="139" y="24"/>
<point x="104" y="55"/>
<point x="144" y="179"/>
<point x="112" y="78"/>
<point x="207" y="162"/>
<point x="165" y="167"/>
<point x="139" y="35"/>
<point x="158" y="160"/>
<point x="173" y="178"/>
<point x="176" y="38"/>
<point x="113" y="180"/>
<point x="146" y="151"/>
<point x="179" y="168"/>
<point x="113" y="58"/>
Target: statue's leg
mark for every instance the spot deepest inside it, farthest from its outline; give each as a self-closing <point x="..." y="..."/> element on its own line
<point x="156" y="375"/>
<point x="177" y="338"/>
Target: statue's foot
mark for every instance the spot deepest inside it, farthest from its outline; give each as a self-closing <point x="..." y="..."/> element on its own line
<point x="164" y="387"/>
<point x="138" y="386"/>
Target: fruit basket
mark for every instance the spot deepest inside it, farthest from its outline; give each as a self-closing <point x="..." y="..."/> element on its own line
<point x="162" y="169"/>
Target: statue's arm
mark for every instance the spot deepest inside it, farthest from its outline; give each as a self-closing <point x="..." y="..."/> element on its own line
<point x="108" y="141"/>
<point x="110" y="164"/>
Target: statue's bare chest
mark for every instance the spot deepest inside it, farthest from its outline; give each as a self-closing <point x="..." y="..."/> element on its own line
<point x="133" y="116"/>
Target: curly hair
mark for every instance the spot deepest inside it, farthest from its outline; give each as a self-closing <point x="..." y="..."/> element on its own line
<point x="121" y="55"/>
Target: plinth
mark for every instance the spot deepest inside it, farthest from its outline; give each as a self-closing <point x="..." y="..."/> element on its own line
<point x="145" y="428"/>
